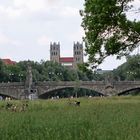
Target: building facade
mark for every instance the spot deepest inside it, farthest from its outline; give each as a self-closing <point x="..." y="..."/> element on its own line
<point x="67" y="61"/>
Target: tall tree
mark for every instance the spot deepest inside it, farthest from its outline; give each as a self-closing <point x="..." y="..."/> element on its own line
<point x="130" y="70"/>
<point x="107" y="29"/>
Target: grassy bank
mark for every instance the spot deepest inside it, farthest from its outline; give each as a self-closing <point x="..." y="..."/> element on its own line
<point x="116" y="118"/>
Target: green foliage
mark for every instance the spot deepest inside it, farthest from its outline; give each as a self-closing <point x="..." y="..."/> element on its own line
<point x="84" y="69"/>
<point x="129" y="70"/>
<point x="95" y="119"/>
<point x="43" y="71"/>
<point x="2" y="73"/>
<point x="107" y="29"/>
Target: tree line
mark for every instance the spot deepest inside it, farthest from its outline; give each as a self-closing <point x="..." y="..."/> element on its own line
<point x="52" y="71"/>
<point x="41" y="71"/>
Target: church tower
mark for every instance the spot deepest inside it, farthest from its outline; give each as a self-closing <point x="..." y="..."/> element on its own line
<point x="55" y="52"/>
<point x="77" y="54"/>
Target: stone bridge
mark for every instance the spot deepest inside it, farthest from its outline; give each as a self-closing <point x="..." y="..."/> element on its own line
<point x="19" y="90"/>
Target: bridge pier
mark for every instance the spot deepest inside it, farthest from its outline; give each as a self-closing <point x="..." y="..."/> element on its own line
<point x="110" y="90"/>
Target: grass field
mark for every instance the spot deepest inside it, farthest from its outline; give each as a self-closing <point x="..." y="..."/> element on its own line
<point x="116" y="118"/>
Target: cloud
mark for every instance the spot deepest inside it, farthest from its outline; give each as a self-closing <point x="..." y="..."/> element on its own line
<point x="77" y="35"/>
<point x="69" y="11"/>
<point x="36" y="5"/>
<point x="5" y="40"/>
<point x="13" y="13"/>
<point x="44" y="40"/>
<point x="133" y="13"/>
<point x="37" y="10"/>
<point x="9" y="12"/>
<point x="31" y="5"/>
<point x="54" y="2"/>
<point x="136" y="4"/>
<point x="22" y="9"/>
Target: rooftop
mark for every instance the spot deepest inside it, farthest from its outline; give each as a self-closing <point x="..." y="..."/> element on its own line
<point x="66" y="59"/>
<point x="8" y="61"/>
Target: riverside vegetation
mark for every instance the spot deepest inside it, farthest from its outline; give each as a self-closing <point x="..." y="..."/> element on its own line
<point x="112" y="118"/>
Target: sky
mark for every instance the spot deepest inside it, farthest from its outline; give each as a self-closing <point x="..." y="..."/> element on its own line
<point x="28" y="26"/>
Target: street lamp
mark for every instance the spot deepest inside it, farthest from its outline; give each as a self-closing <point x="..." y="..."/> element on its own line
<point x="11" y="76"/>
<point x="50" y="75"/>
<point x="59" y="74"/>
<point x="20" y="77"/>
<point x="53" y="75"/>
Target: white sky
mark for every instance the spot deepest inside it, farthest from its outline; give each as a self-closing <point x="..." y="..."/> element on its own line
<point x="28" y="26"/>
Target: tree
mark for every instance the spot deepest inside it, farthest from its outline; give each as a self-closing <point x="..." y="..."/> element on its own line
<point x="85" y="70"/>
<point x="107" y="29"/>
<point x="130" y="70"/>
<point x="2" y="74"/>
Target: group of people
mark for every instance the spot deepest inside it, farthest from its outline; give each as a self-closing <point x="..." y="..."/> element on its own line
<point x="7" y="98"/>
<point x="16" y="107"/>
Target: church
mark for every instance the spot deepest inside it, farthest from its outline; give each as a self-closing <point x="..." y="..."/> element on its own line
<point x="70" y="62"/>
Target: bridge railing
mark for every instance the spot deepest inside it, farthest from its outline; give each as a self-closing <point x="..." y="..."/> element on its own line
<point x="68" y="83"/>
<point x="127" y="82"/>
<point x="11" y="84"/>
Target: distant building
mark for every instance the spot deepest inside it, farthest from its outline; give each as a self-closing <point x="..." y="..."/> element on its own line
<point x="100" y="71"/>
<point x="67" y="61"/>
<point x="8" y="62"/>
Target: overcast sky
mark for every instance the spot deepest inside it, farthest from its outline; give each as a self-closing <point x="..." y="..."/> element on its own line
<point x="28" y="26"/>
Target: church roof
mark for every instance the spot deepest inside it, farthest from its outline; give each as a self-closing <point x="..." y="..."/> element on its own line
<point x="66" y="59"/>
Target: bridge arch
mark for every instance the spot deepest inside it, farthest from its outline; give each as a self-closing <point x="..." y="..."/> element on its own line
<point x="129" y="90"/>
<point x="7" y="95"/>
<point x="52" y="90"/>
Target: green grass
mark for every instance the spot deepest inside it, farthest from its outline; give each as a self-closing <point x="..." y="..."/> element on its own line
<point x="116" y="118"/>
